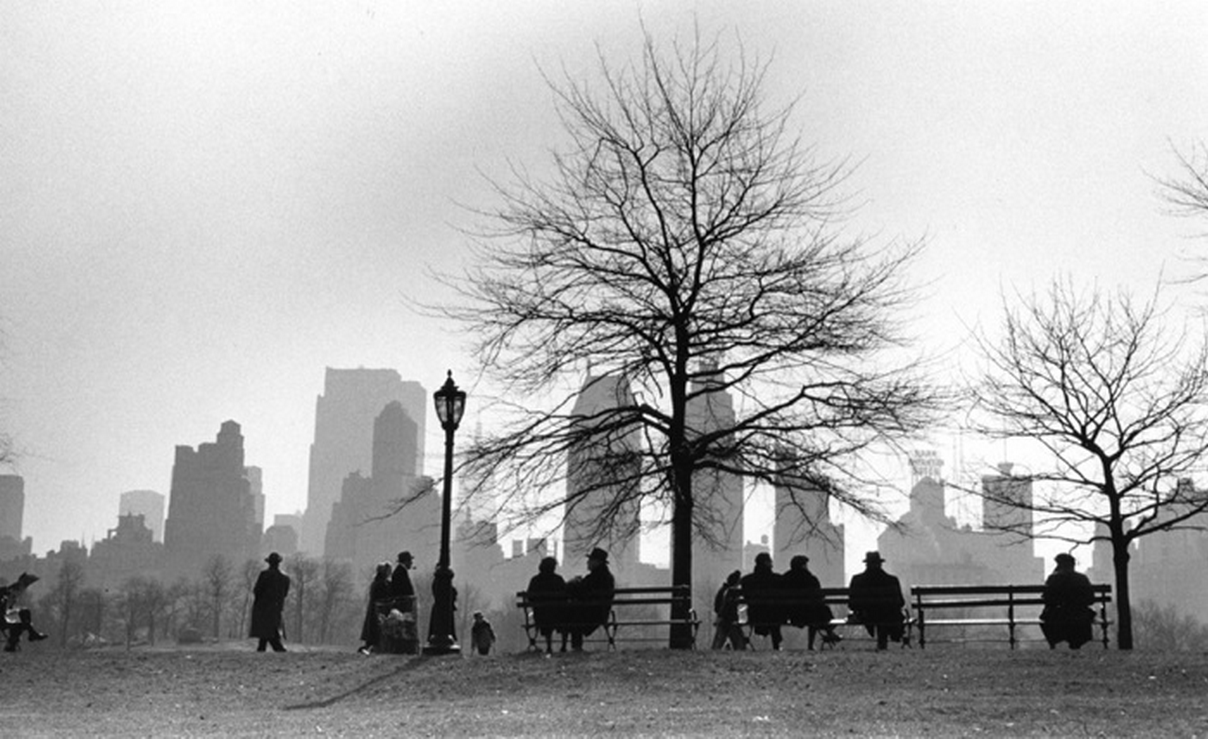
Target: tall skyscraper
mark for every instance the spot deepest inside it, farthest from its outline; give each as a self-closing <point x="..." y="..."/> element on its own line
<point x="211" y="510"/>
<point x="719" y="495"/>
<point x="344" y="422"/>
<point x="367" y="524"/>
<point x="803" y="525"/>
<point x="148" y="504"/>
<point x="12" y="506"/>
<point x="599" y="474"/>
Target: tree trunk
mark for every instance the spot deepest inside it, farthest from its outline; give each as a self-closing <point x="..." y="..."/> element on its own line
<point x="1120" y="557"/>
<point x="681" y="559"/>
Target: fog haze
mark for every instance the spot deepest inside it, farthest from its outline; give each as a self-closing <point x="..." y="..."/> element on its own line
<point x="202" y="206"/>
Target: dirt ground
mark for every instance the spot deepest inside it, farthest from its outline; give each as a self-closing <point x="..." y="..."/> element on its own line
<point x="229" y="690"/>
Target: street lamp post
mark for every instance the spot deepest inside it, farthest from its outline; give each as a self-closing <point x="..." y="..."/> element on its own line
<point x="450" y="405"/>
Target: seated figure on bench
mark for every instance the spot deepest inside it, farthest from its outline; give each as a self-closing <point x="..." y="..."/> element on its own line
<point x="547" y="594"/>
<point x="1068" y="597"/>
<point x="876" y="602"/>
<point x="763" y="589"/>
<point x="808" y="609"/>
<point x="725" y="607"/>
<point x="589" y="600"/>
<point x="15" y="621"/>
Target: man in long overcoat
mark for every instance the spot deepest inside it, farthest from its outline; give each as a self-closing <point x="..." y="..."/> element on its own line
<point x="763" y="589"/>
<point x="876" y="601"/>
<point x="1068" y="597"/>
<point x="269" y="601"/>
<point x="590" y="598"/>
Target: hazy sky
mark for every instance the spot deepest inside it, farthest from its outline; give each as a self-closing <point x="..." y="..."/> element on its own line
<point x="203" y="205"/>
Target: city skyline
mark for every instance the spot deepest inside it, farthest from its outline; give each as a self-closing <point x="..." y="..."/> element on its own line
<point x="205" y="208"/>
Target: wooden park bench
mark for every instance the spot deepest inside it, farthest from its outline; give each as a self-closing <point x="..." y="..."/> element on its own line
<point x="838" y="600"/>
<point x="633" y="613"/>
<point x="1011" y="606"/>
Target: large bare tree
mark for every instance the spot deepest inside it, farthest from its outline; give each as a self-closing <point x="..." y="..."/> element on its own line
<point x="684" y="242"/>
<point x="1117" y="403"/>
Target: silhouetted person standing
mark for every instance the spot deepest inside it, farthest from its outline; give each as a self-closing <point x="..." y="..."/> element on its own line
<point x="876" y="602"/>
<point x="590" y="599"/>
<point x="1067" y="614"/>
<point x="400" y="581"/>
<point x="482" y="635"/>
<point x="763" y="589"/>
<point x="547" y="595"/>
<point x="725" y="607"/>
<point x="17" y="621"/>
<point x="809" y="609"/>
<point x="270" y="591"/>
<point x="379" y="596"/>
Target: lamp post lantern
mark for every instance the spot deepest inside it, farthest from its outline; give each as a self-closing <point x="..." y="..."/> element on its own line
<point x="450" y="405"/>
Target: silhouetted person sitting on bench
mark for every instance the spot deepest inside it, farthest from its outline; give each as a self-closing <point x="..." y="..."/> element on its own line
<point x="17" y="621"/>
<point x="876" y="602"/>
<point x="1067" y="614"/>
<point x="589" y="600"/>
<point x="808" y="608"/>
<point x="547" y="597"/>
<point x="763" y="590"/>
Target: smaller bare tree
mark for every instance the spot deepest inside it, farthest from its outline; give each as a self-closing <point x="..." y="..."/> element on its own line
<point x="216" y="578"/>
<point x="1117" y="404"/>
<point x="304" y="574"/>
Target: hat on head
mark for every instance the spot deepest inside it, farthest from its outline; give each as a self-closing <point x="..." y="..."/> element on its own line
<point x="763" y="558"/>
<point x="1064" y="558"/>
<point x="798" y="560"/>
<point x="26" y="579"/>
<point x="273" y="558"/>
<point x="599" y="554"/>
<point x="404" y="556"/>
<point x="874" y="557"/>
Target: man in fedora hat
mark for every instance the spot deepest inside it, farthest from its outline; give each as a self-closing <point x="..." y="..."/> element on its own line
<point x="269" y="601"/>
<point x="400" y="581"/>
<point x="876" y="601"/>
<point x="1068" y="597"/>
<point x="590" y="599"/>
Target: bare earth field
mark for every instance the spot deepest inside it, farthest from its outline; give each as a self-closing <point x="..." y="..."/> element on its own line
<point x="944" y="691"/>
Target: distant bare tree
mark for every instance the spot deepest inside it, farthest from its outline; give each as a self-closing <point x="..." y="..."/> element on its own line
<point x="249" y="573"/>
<point x="130" y="605"/>
<point x="1121" y="408"/>
<point x="303" y="573"/>
<point x="686" y="243"/>
<point x="156" y="601"/>
<point x="66" y="596"/>
<point x="336" y="595"/>
<point x="217" y="579"/>
<point x="1165" y="628"/>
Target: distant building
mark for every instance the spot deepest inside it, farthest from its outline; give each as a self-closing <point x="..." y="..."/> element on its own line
<point x="255" y="482"/>
<point x="344" y="418"/>
<point x="929" y="548"/>
<point x="211" y="510"/>
<point x="718" y="495"/>
<point x="12" y="506"/>
<point x="804" y="526"/>
<point x="147" y="503"/>
<point x="282" y="539"/>
<point x="368" y="524"/>
<point x="127" y="551"/>
<point x="602" y="478"/>
<point x="12" y="512"/>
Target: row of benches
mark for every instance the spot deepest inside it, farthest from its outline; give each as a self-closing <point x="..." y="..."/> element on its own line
<point x="976" y="610"/>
